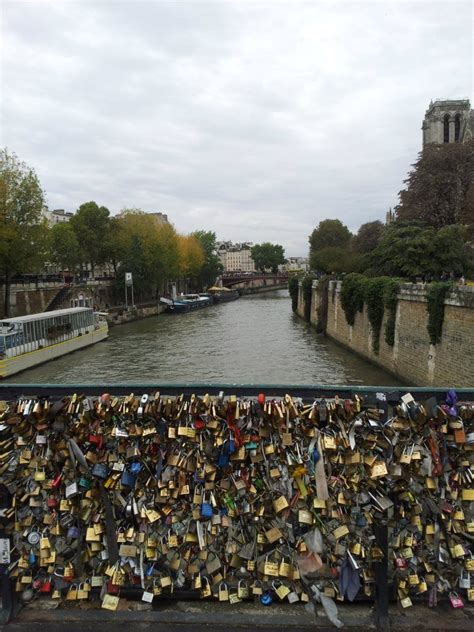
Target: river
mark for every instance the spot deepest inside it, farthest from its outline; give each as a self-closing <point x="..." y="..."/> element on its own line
<point x="254" y="340"/>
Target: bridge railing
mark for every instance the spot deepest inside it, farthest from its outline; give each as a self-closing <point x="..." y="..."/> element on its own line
<point x="308" y="393"/>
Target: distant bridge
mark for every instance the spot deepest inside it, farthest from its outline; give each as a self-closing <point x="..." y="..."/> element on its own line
<point x="254" y="280"/>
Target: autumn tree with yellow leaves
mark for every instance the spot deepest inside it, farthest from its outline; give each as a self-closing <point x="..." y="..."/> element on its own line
<point x="154" y="252"/>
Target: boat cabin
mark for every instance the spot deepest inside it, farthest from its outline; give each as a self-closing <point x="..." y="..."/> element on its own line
<point x="28" y="333"/>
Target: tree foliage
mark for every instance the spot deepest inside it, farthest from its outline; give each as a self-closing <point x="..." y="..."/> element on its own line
<point x="408" y="249"/>
<point x="328" y="246"/>
<point x="148" y="248"/>
<point x="212" y="266"/>
<point x="22" y="226"/>
<point x="268" y="256"/>
<point x="91" y="223"/>
<point x="190" y="257"/>
<point x="63" y="246"/>
<point x="335" y="259"/>
<point x="439" y="188"/>
<point x="368" y="237"/>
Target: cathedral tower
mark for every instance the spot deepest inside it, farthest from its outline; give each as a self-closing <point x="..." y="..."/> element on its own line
<point x="450" y="121"/>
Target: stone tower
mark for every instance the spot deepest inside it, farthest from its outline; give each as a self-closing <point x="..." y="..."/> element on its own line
<point x="450" y="121"/>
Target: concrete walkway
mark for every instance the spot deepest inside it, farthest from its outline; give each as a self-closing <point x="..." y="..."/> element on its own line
<point x="215" y="616"/>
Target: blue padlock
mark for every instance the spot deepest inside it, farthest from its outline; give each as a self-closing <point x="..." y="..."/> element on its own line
<point x="100" y="470"/>
<point x="361" y="520"/>
<point x="127" y="480"/>
<point x="231" y="445"/>
<point x="266" y="599"/>
<point x="224" y="459"/>
<point x="135" y="468"/>
<point x="206" y="509"/>
<point x="315" y="456"/>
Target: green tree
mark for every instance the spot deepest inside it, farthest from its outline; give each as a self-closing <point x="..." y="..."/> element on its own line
<point x="368" y="237"/>
<point x="63" y="246"/>
<point x="268" y="255"/>
<point x="91" y="224"/>
<point x="335" y="259"/>
<point x="438" y="186"/>
<point x="409" y="249"/>
<point x="146" y="247"/>
<point x="212" y="267"/>
<point x="334" y="237"/>
<point x="22" y="226"/>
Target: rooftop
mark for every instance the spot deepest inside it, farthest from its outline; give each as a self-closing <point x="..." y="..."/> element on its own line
<point x="42" y="315"/>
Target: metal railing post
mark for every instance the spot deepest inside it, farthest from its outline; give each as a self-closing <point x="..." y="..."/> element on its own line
<point x="381" y="578"/>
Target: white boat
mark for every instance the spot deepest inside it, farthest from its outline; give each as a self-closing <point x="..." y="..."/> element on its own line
<point x="26" y="341"/>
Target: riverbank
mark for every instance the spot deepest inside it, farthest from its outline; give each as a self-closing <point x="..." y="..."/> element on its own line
<point x="122" y="315"/>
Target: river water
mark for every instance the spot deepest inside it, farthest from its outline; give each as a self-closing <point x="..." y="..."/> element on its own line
<point x="254" y="340"/>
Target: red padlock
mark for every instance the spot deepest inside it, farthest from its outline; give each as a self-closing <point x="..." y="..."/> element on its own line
<point x="112" y="589"/>
<point x="46" y="586"/>
<point x="57" y="481"/>
<point x="52" y="502"/>
<point x="261" y="399"/>
<point x="97" y="439"/>
<point x="199" y="424"/>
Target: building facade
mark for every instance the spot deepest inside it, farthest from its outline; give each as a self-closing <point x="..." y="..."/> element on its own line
<point x="57" y="216"/>
<point x="236" y="257"/>
<point x="295" y="264"/>
<point x="448" y="121"/>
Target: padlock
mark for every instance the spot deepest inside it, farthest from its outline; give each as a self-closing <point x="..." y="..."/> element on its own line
<point x="456" y="600"/>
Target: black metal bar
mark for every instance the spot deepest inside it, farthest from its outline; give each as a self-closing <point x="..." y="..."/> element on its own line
<point x="381" y="578"/>
<point x="307" y="392"/>
<point x="6" y="594"/>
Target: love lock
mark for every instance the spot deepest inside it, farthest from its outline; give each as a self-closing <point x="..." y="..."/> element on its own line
<point x="266" y="599"/>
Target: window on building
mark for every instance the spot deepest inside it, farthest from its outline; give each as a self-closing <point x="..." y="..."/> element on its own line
<point x="457" y="127"/>
<point x="446" y="128"/>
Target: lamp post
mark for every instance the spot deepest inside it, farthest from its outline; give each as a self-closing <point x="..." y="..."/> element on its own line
<point x="128" y="283"/>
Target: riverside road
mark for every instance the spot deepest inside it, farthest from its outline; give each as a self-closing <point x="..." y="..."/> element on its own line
<point x="256" y="339"/>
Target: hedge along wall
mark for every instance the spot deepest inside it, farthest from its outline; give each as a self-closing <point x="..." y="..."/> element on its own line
<point x="412" y="358"/>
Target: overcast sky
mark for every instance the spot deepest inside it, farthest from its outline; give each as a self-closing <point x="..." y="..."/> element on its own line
<point x="253" y="119"/>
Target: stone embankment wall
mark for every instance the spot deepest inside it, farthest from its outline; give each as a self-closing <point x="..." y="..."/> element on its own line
<point x="412" y="359"/>
<point x="120" y="316"/>
<point x="31" y="298"/>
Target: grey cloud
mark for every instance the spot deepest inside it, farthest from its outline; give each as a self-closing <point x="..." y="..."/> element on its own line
<point x="256" y="120"/>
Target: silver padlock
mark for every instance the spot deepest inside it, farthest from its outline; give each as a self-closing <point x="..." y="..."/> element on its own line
<point x="465" y="579"/>
<point x="34" y="537"/>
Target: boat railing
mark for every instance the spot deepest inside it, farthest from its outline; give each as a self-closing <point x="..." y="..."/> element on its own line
<point x="14" y="344"/>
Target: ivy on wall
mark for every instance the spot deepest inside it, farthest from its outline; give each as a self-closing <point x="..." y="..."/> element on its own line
<point x="379" y="294"/>
<point x="436" y="296"/>
<point x="293" y="290"/>
<point x="322" y="301"/>
<point x="307" y="288"/>
<point x="352" y="296"/>
<point x="390" y="298"/>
